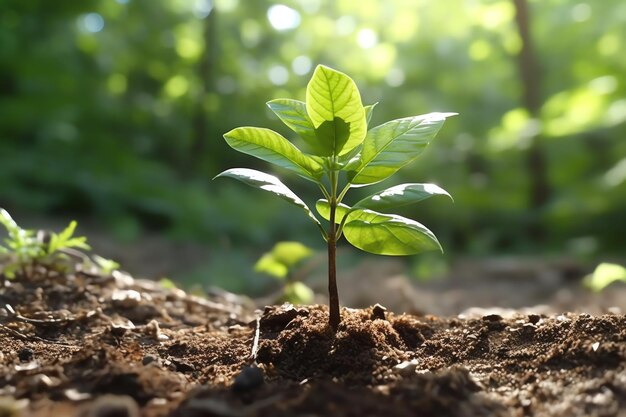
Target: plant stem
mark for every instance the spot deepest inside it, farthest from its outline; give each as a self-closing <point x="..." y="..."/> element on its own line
<point x="333" y="296"/>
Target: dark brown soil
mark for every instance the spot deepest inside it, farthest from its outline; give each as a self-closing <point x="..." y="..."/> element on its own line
<point x="89" y="345"/>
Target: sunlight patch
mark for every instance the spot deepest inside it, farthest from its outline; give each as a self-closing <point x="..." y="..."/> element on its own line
<point x="282" y="17"/>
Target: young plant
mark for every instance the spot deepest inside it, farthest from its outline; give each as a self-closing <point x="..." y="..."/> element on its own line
<point x="280" y="263"/>
<point x="344" y="154"/>
<point x="27" y="249"/>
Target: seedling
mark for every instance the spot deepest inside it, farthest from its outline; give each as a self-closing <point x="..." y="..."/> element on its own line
<point x="280" y="263"/>
<point x="342" y="154"/>
<point x="604" y="275"/>
<point x="25" y="250"/>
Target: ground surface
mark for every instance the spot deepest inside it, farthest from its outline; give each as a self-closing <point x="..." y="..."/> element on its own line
<point x="93" y="345"/>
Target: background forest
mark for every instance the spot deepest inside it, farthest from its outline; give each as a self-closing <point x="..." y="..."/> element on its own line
<point x="112" y="112"/>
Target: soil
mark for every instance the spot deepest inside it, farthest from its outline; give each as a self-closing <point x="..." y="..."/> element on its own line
<point x="90" y="345"/>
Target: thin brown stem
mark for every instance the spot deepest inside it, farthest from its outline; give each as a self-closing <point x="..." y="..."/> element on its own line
<point x="333" y="296"/>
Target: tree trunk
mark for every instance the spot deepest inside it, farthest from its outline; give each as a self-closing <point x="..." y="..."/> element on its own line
<point x="536" y="162"/>
<point x="206" y="74"/>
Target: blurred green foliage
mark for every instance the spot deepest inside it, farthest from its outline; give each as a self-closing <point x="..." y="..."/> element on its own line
<point x="281" y="263"/>
<point x="604" y="275"/>
<point x="283" y="257"/>
<point x="115" y="109"/>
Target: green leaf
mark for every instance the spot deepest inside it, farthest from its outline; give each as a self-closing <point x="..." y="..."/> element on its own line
<point x="369" y="110"/>
<point x="333" y="103"/>
<point x="400" y="195"/>
<point x="268" y="264"/>
<point x="604" y="275"/>
<point x="65" y="240"/>
<point x="270" y="146"/>
<point x="290" y="253"/>
<point x="268" y="183"/>
<point x="299" y="293"/>
<point x="387" y="234"/>
<point x="282" y="257"/>
<point x="323" y="208"/>
<point x="392" y="145"/>
<point x="293" y="114"/>
<point x="7" y="221"/>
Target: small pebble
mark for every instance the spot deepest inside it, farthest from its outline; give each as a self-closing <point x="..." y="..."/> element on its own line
<point x="182" y="366"/>
<point x="406" y="368"/>
<point x="26" y="354"/>
<point x="114" y="406"/>
<point x="614" y="310"/>
<point x="249" y="378"/>
<point x="534" y="318"/>
<point x="492" y="317"/>
<point x="148" y="359"/>
<point x="378" y="312"/>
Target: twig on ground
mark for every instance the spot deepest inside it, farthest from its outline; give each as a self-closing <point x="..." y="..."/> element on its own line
<point x="255" y="342"/>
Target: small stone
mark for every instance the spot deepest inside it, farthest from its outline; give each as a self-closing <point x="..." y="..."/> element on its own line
<point x="614" y="310"/>
<point x="10" y="406"/>
<point x="280" y="317"/>
<point x="406" y="368"/>
<point x="73" y="394"/>
<point x="26" y="354"/>
<point x="182" y="366"/>
<point x="153" y="330"/>
<point x="126" y="298"/>
<point x="534" y="318"/>
<point x="114" y="406"/>
<point x="148" y="359"/>
<point x="120" y="327"/>
<point x="249" y="378"/>
<point x="42" y="382"/>
<point x="492" y="317"/>
<point x="378" y="312"/>
<point x="595" y="346"/>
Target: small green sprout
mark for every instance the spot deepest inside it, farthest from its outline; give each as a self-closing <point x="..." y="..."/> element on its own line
<point x="604" y="275"/>
<point x="104" y="265"/>
<point x="280" y="263"/>
<point x="26" y="250"/>
<point x="343" y="154"/>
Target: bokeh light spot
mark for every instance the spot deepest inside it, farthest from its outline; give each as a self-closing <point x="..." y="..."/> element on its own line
<point x="479" y="50"/>
<point x="395" y="77"/>
<point x="278" y="75"/>
<point x="581" y="12"/>
<point x="310" y="6"/>
<point x="188" y="48"/>
<point x="367" y="38"/>
<point x="226" y="5"/>
<point x="202" y="8"/>
<point x="609" y="44"/>
<point x="345" y="25"/>
<point x="282" y="17"/>
<point x="117" y="83"/>
<point x="226" y="85"/>
<point x="604" y="85"/>
<point x="93" y="22"/>
<point x="176" y="86"/>
<point x="301" y="65"/>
